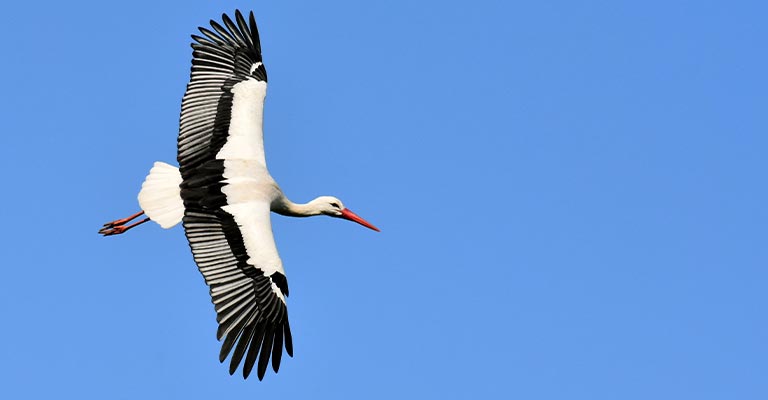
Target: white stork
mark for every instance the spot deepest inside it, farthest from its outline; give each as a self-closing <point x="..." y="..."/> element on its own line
<point x="223" y="194"/>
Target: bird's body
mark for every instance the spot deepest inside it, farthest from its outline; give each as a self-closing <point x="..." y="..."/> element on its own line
<point x="223" y="194"/>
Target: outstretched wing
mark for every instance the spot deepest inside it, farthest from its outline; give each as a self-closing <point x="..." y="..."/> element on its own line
<point x="220" y="153"/>
<point x="222" y="59"/>
<point x="249" y="296"/>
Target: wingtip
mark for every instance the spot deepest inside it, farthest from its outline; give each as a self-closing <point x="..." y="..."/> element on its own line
<point x="252" y="20"/>
<point x="226" y="18"/>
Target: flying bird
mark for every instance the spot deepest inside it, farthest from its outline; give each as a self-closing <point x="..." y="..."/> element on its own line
<point x="223" y="195"/>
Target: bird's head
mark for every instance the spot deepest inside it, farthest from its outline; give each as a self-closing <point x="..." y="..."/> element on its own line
<point x="333" y="207"/>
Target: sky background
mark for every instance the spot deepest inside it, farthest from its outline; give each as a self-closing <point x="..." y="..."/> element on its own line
<point x="572" y="197"/>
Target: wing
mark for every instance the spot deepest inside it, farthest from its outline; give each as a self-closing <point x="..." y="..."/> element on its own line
<point x="220" y="153"/>
<point x="223" y="59"/>
<point x="249" y="297"/>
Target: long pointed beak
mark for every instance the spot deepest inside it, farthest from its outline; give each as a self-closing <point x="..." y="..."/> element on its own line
<point x="347" y="214"/>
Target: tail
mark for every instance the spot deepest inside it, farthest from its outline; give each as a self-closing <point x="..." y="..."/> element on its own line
<point x="160" y="196"/>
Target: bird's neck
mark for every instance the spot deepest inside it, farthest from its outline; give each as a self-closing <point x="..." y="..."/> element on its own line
<point x="283" y="206"/>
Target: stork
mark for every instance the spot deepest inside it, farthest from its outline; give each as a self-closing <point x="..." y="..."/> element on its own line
<point x="223" y="194"/>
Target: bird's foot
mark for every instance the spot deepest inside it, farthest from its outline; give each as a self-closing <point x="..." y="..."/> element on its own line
<point x="110" y="229"/>
<point x="118" y="226"/>
<point x="122" y="221"/>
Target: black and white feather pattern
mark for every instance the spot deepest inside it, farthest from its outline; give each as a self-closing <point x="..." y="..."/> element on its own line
<point x="248" y="294"/>
<point x="221" y="58"/>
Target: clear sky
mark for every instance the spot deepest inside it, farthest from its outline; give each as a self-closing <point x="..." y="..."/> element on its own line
<point x="572" y="197"/>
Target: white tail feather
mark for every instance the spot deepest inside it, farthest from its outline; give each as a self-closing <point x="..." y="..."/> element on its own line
<point x="160" y="196"/>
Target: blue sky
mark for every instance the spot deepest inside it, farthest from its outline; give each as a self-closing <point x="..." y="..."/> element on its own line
<point x="572" y="200"/>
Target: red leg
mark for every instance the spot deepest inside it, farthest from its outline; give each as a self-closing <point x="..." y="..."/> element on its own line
<point x="116" y="230"/>
<point x="118" y="226"/>
<point x="123" y="221"/>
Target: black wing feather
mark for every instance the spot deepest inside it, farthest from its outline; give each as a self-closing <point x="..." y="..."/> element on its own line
<point x="253" y="351"/>
<point x="243" y="26"/>
<point x="266" y="349"/>
<point x="234" y="31"/>
<point x="277" y="350"/>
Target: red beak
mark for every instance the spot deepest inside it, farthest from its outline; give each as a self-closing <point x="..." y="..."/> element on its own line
<point x="346" y="214"/>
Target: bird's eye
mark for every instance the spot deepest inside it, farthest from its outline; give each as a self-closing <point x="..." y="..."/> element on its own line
<point x="335" y="205"/>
